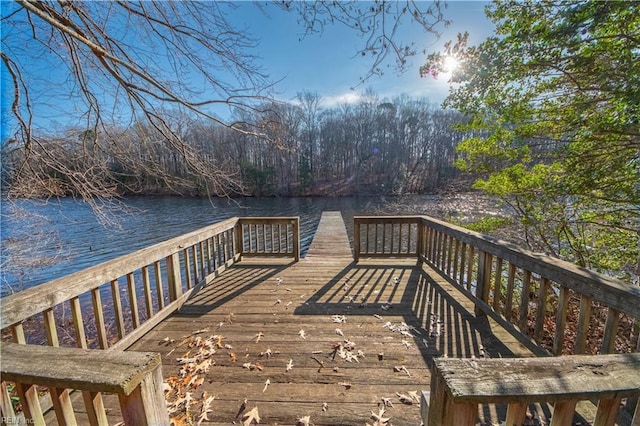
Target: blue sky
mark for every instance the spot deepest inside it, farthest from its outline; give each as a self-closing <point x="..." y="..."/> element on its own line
<point x="324" y="63"/>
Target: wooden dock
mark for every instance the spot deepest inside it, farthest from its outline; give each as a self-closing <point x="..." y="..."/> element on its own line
<point x="356" y="337"/>
<point x="232" y="326"/>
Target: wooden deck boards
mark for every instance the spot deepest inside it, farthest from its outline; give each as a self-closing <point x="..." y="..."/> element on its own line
<point x="279" y="300"/>
<point x="371" y="303"/>
<point x="331" y="239"/>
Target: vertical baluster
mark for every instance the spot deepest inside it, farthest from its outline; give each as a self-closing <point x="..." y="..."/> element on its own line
<point x="8" y="414"/>
<point x="436" y="249"/>
<point x="463" y="260"/>
<point x="98" y="314"/>
<point x="95" y="408"/>
<point x="203" y="272"/>
<point x="207" y="256"/>
<point x="187" y="268"/>
<point x="511" y="278"/>
<point x="133" y="300"/>
<point x="273" y="240"/>
<point x="391" y="225"/>
<point x="264" y="237"/>
<point x="50" y="327"/>
<point x="17" y="332"/>
<point x="215" y="243"/>
<point x="78" y="323"/>
<point x="583" y="324"/>
<point x="160" y="291"/>
<point x="542" y="308"/>
<point x="450" y="256"/>
<point x="610" y="331"/>
<point x="30" y="403"/>
<point x="146" y="284"/>
<point x="563" y="413"/>
<point x="443" y="253"/>
<point x="470" y="266"/>
<point x="456" y="260"/>
<point x="62" y="406"/>
<point x="607" y="412"/>
<point x="117" y="308"/>
<point x="367" y="227"/>
<point x="224" y="247"/>
<point x="561" y="320"/>
<point x="524" y="303"/>
<point x="516" y="413"/>
<point x="230" y="239"/>
<point x="497" y="285"/>
<point x="384" y="237"/>
<point x="409" y="231"/>
<point x="194" y="261"/>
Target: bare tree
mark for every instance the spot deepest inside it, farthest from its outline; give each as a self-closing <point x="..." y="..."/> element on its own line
<point x="125" y="63"/>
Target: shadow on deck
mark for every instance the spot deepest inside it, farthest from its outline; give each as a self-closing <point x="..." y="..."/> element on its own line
<point x="353" y="333"/>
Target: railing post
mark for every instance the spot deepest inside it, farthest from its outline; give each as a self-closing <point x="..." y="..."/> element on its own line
<point x="239" y="240"/>
<point x="295" y="224"/>
<point x="145" y="406"/>
<point x="356" y="240"/>
<point x="483" y="285"/>
<point x="173" y="277"/>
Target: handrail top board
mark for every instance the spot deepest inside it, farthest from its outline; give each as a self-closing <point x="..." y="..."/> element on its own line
<point x="84" y="369"/>
<point x="546" y="379"/>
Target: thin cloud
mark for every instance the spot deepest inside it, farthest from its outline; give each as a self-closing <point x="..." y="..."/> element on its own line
<point x="344" y="98"/>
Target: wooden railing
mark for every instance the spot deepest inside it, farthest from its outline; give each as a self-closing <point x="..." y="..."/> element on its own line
<point x="459" y="385"/>
<point x="135" y="377"/>
<point x="386" y="236"/>
<point x="531" y="294"/>
<point x="540" y="300"/>
<point x="270" y="236"/>
<point x="110" y="305"/>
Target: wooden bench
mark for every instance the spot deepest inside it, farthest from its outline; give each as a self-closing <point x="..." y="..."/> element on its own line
<point x="459" y="385"/>
<point x="136" y="377"/>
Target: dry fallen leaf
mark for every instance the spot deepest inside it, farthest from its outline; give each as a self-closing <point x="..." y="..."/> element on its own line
<point x="206" y="408"/>
<point x="302" y="334"/>
<point x="266" y="385"/>
<point x="289" y="365"/>
<point x="405" y="399"/>
<point x="379" y="419"/>
<point x="251" y="416"/>
<point x="304" y="421"/>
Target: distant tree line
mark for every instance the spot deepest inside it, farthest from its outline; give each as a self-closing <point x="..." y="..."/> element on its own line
<point x="375" y="146"/>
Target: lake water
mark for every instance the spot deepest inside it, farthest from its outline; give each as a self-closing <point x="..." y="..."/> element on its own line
<point x="43" y="241"/>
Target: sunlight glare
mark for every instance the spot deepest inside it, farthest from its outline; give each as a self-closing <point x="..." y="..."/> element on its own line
<point x="450" y="64"/>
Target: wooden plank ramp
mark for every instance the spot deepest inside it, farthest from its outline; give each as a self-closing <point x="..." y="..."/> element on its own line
<point x="330" y="240"/>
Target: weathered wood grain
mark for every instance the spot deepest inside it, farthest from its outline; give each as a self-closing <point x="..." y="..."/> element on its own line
<point x="84" y="369"/>
<point x="576" y="377"/>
